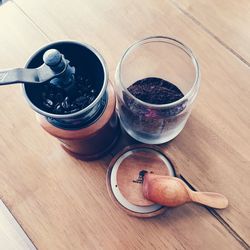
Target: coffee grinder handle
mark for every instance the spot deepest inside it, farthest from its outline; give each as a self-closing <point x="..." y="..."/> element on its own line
<point x="54" y="66"/>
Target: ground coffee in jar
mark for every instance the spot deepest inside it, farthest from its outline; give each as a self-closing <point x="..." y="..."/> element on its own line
<point x="147" y="120"/>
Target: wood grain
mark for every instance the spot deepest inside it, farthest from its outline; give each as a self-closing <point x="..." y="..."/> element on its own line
<point x="212" y="152"/>
<point x="62" y="203"/>
<point x="227" y="20"/>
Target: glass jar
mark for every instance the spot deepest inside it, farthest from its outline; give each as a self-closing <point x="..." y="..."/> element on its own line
<point x="167" y="59"/>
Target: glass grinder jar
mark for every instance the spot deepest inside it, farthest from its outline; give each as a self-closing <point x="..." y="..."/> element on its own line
<point x="87" y="133"/>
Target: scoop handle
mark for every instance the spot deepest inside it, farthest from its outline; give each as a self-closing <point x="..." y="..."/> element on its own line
<point x="210" y="199"/>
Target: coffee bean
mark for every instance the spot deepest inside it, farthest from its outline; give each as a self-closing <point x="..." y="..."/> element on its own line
<point x="80" y="101"/>
<point x="65" y="103"/>
<point x="58" y="108"/>
<point x="59" y="97"/>
<point x="48" y="103"/>
<point x="69" y="100"/>
<point x="51" y="96"/>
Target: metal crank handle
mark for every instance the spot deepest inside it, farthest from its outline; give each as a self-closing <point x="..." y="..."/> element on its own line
<point x="54" y="66"/>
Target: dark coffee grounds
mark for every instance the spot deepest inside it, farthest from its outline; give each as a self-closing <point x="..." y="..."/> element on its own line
<point x="144" y="119"/>
<point x="58" y="100"/>
<point x="155" y="90"/>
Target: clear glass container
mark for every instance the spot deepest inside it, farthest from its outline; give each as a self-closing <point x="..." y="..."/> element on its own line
<point x="164" y="58"/>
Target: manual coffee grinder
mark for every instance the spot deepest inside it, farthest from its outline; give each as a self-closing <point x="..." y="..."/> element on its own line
<point x="66" y="83"/>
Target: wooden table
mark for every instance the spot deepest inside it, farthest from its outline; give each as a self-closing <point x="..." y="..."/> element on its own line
<point x="62" y="203"/>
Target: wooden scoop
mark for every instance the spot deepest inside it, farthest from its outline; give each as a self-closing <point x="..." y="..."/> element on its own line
<point x="171" y="191"/>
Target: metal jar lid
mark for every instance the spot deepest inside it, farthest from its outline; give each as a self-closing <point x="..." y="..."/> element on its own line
<point x="125" y="178"/>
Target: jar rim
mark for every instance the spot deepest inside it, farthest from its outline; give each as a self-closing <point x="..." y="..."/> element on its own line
<point x="165" y="39"/>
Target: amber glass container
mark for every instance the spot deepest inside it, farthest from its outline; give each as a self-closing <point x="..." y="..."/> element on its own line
<point x="90" y="132"/>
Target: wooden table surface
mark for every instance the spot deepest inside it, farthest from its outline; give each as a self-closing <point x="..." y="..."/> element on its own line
<point x="61" y="202"/>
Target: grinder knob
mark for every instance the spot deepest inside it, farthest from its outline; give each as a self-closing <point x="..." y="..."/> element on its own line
<point x="52" y="58"/>
<point x="56" y="61"/>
